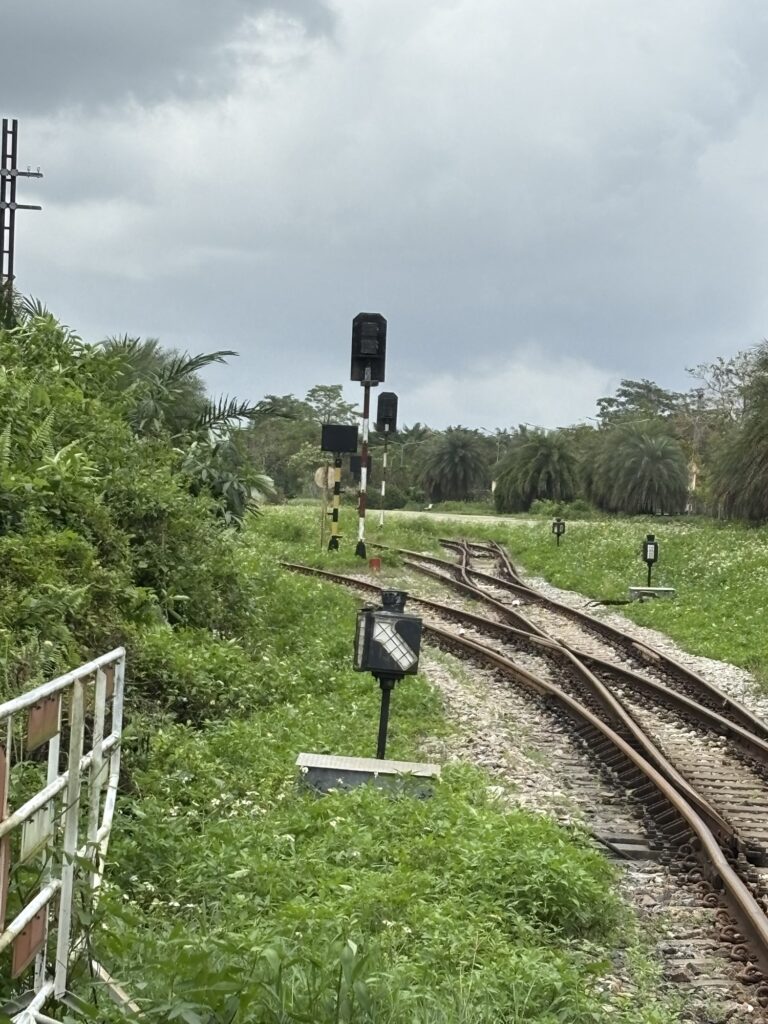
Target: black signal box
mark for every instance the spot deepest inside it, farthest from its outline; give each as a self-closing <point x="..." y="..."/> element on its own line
<point x="386" y="412"/>
<point x="650" y="549"/>
<point x="387" y="640"/>
<point x="338" y="437"/>
<point x="369" y="348"/>
<point x="355" y="461"/>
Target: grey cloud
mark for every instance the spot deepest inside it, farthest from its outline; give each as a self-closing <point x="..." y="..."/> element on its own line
<point x="584" y="182"/>
<point x="95" y="53"/>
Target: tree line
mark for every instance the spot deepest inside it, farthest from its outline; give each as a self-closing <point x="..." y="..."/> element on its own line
<point x="647" y="450"/>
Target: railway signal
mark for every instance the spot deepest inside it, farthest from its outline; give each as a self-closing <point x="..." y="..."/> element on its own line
<point x="650" y="549"/>
<point x="387" y="643"/>
<point x="369" y="348"/>
<point x="558" y="528"/>
<point x="386" y="424"/>
<point x="338" y="438"/>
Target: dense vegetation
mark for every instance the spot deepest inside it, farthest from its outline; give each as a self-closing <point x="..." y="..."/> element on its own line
<point x="233" y="895"/>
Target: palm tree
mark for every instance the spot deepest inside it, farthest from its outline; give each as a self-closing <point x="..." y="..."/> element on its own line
<point x="539" y="464"/>
<point x="453" y="465"/>
<point x="640" y="470"/>
<point x="169" y="391"/>
<point x="739" y="481"/>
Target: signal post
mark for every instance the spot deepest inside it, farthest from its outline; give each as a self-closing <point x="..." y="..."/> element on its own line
<point x="369" y="347"/>
<point x="337" y="438"/>
<point x="386" y="424"/>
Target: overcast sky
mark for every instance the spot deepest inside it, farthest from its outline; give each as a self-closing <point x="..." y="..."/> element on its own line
<point x="541" y="197"/>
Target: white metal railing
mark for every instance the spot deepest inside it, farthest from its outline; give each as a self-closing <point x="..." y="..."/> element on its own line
<point x="58" y="834"/>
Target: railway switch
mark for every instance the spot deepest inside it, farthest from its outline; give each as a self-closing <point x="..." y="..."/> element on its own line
<point x="387" y="643"/>
<point x="558" y="528"/>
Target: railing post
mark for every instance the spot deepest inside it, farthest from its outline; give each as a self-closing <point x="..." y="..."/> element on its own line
<point x="71" y="826"/>
<point x="54" y="745"/>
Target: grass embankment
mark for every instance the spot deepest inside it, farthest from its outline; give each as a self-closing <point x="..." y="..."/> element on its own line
<point x="235" y="895"/>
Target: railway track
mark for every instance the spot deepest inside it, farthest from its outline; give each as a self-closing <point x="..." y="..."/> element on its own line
<point x="710" y="823"/>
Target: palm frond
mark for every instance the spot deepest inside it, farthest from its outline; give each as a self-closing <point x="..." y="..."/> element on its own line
<point x="182" y="365"/>
<point x="224" y="412"/>
<point x="29" y="308"/>
<point x="42" y="436"/>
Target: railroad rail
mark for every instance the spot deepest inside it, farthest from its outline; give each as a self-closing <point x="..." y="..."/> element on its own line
<point x="734" y="777"/>
<point x="705" y="844"/>
<point x="700" y="689"/>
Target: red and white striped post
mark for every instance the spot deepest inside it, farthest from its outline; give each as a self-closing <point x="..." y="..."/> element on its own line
<point x="369" y="346"/>
<point x="363" y="495"/>
<point x="384" y="474"/>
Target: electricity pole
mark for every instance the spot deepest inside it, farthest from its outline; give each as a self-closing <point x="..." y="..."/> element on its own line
<point x="9" y="175"/>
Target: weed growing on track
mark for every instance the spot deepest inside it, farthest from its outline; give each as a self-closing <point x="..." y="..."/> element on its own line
<point x="235" y="895"/>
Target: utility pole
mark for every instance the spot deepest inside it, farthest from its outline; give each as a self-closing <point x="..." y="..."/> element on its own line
<point x="9" y="174"/>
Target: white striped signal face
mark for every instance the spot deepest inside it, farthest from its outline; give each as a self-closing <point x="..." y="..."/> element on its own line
<point x="385" y="634"/>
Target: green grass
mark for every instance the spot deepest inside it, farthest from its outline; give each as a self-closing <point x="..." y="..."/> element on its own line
<point x="235" y="895"/>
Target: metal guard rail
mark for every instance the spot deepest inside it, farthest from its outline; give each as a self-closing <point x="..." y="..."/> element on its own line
<point x="62" y="830"/>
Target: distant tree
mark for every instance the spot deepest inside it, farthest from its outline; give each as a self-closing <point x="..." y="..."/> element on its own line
<point x="541" y="464"/>
<point x="725" y="382"/>
<point x="639" y="469"/>
<point x="328" y="405"/>
<point x="285" y="430"/>
<point x="739" y="475"/>
<point x="453" y="465"/>
<point x="638" y="400"/>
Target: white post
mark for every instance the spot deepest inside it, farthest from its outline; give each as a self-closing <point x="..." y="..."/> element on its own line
<point x="71" y="829"/>
<point x="360" y="550"/>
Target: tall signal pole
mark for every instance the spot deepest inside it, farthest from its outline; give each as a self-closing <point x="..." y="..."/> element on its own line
<point x="386" y="423"/>
<point x="9" y="175"/>
<point x="369" y="346"/>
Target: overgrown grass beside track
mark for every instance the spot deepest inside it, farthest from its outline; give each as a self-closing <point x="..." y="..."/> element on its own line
<point x="235" y="895"/>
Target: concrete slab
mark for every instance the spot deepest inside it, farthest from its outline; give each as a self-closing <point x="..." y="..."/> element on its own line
<point x="642" y="593"/>
<point x="324" y="772"/>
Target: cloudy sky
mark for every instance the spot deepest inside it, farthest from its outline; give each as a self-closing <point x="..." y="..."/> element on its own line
<point x="541" y="197"/>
